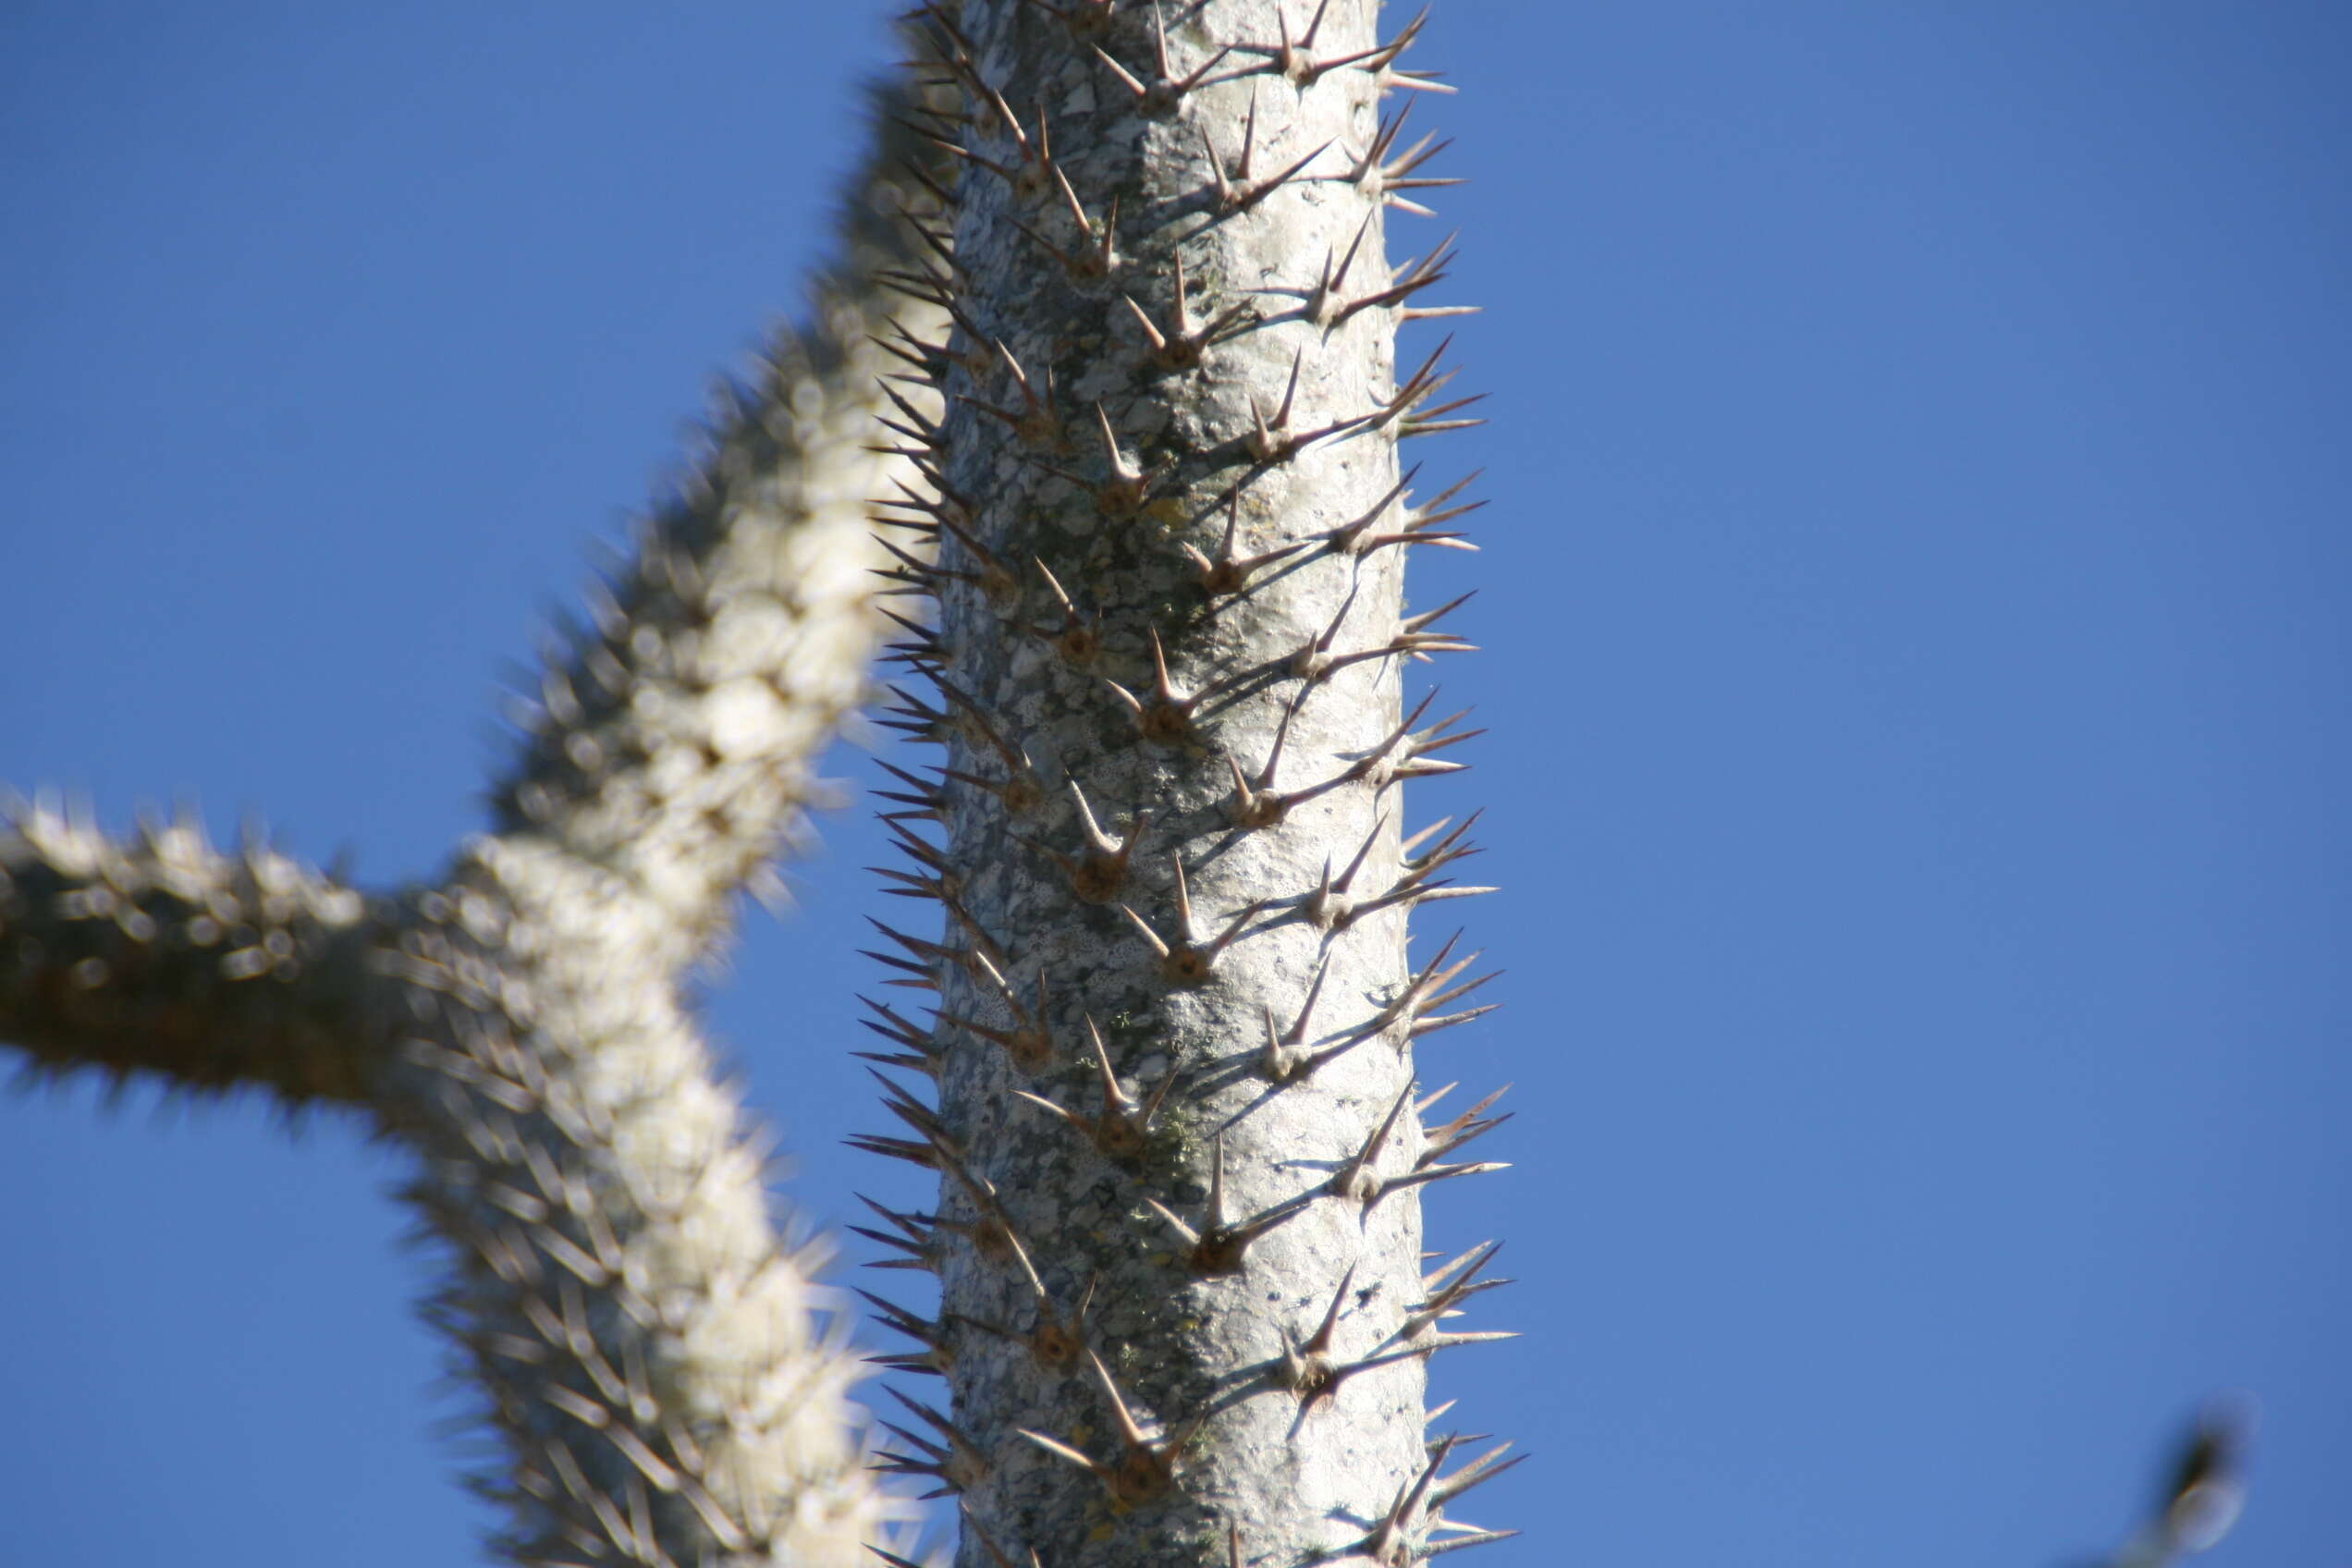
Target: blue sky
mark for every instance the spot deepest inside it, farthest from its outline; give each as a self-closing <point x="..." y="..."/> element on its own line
<point x="1913" y="601"/>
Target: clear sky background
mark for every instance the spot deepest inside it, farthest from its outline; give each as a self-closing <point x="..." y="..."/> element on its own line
<point x="1913" y="599"/>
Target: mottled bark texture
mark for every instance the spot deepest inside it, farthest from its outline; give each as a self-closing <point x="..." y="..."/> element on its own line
<point x="1187" y="1309"/>
<point x="666" y="1382"/>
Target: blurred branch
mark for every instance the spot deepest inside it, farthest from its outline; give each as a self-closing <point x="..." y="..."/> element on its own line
<point x="159" y="955"/>
<point x="666" y="1381"/>
<point x="2203" y="1493"/>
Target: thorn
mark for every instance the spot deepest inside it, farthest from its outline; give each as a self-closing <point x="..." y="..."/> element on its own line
<point x="947" y="880"/>
<point x="1101" y="258"/>
<point x="1295" y="58"/>
<point x="2204" y="1487"/>
<point x="1216" y="1248"/>
<point x="996" y="580"/>
<point x="1415" y="886"/>
<point x="928" y="360"/>
<point x="1442" y="1300"/>
<point x="1354" y="538"/>
<point x="931" y="287"/>
<point x="1019" y="795"/>
<point x="1331" y="907"/>
<point x="1424" y="272"/>
<point x="1326" y="305"/>
<point x="984" y="955"/>
<point x="1054" y="1341"/>
<point x="1036" y="425"/>
<point x="1436" y="1278"/>
<point x="1230" y="200"/>
<point x="1097" y="256"/>
<point x="907" y="1108"/>
<point x="1431" y="1025"/>
<point x="1314" y="660"/>
<point x="919" y="792"/>
<point x="1387" y="77"/>
<point x="1431" y="423"/>
<point x="1123" y="1129"/>
<point x="1023" y="791"/>
<point x="895" y="1148"/>
<point x="1439" y="1141"/>
<point x="1416" y="625"/>
<point x="931" y="953"/>
<point x="1390" y="1543"/>
<point x="1306" y="1368"/>
<point x="1343" y="540"/>
<point x="1229" y="194"/>
<point x="1181" y="344"/>
<point x="1029" y="1042"/>
<point x="1323" y="306"/>
<point x="1145" y="1469"/>
<point x="1287" y="1059"/>
<point x="1296" y="61"/>
<point x="1273" y="442"/>
<point x="990" y="1233"/>
<point x="1186" y="962"/>
<point x="1480" y="1470"/>
<point x="1404" y="410"/>
<point x="1447" y="849"/>
<point x="915" y="885"/>
<point x="1378" y="178"/>
<point x="1166" y="720"/>
<point x="979" y="353"/>
<point x="1404" y="752"/>
<point x="1357" y="1179"/>
<point x="1476" y="1537"/>
<point x="1424" y="993"/>
<point x="924" y="510"/>
<point x="1229" y="573"/>
<point x="1079" y="643"/>
<point x="1422" y="1176"/>
<point x="922" y="427"/>
<point x="1036" y="158"/>
<point x="915" y="718"/>
<point x="923" y="1054"/>
<point x="1255" y="803"/>
<point x="1419" y="1508"/>
<point x="1098" y="872"/>
<point x="1166" y="90"/>
<point x="957" y="1464"/>
<point x="1122" y="495"/>
<point x="937" y="1356"/>
<point x="918" y="575"/>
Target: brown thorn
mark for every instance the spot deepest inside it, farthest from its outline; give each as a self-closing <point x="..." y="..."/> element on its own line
<point x="1079" y="643"/>
<point x="1357" y="1181"/>
<point x="1229" y="573"/>
<point x="1161" y="95"/>
<point x="1286" y="1058"/>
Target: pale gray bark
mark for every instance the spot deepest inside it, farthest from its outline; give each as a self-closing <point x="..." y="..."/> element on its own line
<point x="1113" y="706"/>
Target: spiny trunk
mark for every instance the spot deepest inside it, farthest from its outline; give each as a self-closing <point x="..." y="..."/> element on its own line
<point x="1185" y="1307"/>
